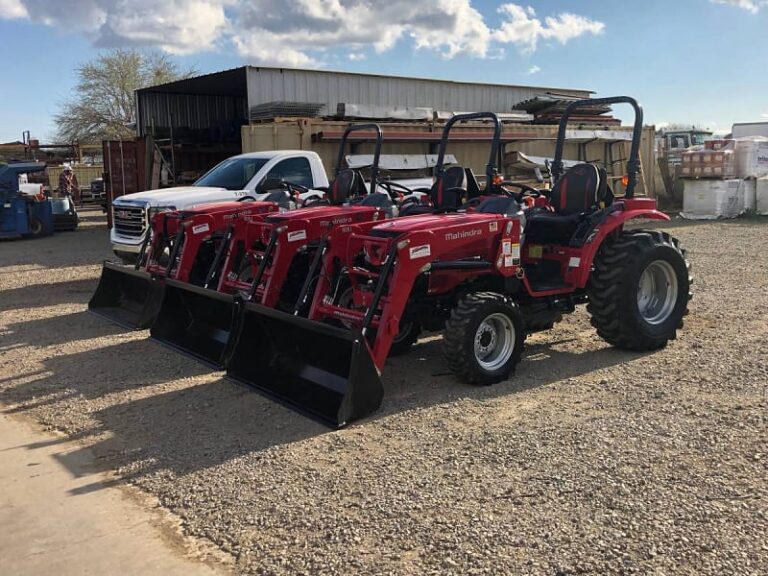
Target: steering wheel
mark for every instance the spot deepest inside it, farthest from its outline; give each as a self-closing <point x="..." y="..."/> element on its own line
<point x="523" y="189"/>
<point x="388" y="185"/>
<point x="291" y="187"/>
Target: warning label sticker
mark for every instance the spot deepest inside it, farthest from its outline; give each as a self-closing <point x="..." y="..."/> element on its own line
<point x="420" y="251"/>
<point x="297" y="235"/>
<point x="200" y="228"/>
<point x="493" y="226"/>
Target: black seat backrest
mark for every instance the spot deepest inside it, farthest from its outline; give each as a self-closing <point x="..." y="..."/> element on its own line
<point x="581" y="189"/>
<point x="376" y="199"/>
<point x="344" y="186"/>
<point x="498" y="205"/>
<point x="450" y="188"/>
<point x="280" y="197"/>
<point x="473" y="187"/>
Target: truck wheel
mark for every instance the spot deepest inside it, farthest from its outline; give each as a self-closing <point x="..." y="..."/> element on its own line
<point x="36" y="227"/>
<point x="639" y="290"/>
<point x="483" y="339"/>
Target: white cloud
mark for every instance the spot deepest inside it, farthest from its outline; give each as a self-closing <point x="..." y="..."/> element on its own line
<point x="12" y="9"/>
<point x="302" y="32"/>
<point x="310" y="27"/>
<point x="753" y="6"/>
<point x="521" y="26"/>
<point x="534" y="70"/>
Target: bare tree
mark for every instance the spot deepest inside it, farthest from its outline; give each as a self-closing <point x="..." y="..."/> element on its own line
<point x="104" y="106"/>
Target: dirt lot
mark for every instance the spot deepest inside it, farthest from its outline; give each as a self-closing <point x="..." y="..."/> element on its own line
<point x="588" y="461"/>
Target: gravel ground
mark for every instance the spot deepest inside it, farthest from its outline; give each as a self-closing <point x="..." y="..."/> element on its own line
<point x="588" y="461"/>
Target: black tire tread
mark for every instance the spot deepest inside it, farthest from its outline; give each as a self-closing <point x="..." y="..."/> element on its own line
<point x="611" y="265"/>
<point x="455" y="332"/>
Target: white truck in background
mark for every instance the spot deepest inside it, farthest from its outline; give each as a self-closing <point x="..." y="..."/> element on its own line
<point x="253" y="176"/>
<point x="238" y="178"/>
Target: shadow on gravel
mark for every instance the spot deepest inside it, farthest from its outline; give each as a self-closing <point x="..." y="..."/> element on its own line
<point x="421" y="379"/>
<point x="70" y="292"/>
<point x="95" y="373"/>
<point x="181" y="430"/>
<point x="62" y="329"/>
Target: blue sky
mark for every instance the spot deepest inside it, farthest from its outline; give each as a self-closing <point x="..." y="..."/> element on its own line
<point x="687" y="61"/>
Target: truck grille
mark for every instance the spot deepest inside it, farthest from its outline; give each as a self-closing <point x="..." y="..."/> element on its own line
<point x="129" y="221"/>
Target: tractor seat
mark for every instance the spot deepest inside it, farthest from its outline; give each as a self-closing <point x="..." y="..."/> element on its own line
<point x="448" y="193"/>
<point x="378" y="200"/>
<point x="279" y="197"/>
<point x="498" y="205"/>
<point x="345" y="185"/>
<point x="581" y="191"/>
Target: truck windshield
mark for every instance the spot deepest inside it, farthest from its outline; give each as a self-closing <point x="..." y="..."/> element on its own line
<point x="232" y="174"/>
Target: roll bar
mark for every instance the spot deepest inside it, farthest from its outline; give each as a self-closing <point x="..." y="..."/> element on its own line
<point x="490" y="168"/>
<point x="376" y="152"/>
<point x="633" y="164"/>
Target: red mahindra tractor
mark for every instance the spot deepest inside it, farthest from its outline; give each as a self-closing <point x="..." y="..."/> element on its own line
<point x="485" y="273"/>
<point x="180" y="245"/>
<point x="266" y="261"/>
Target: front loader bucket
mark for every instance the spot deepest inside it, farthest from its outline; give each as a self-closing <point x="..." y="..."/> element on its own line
<point x="196" y="321"/>
<point x="323" y="371"/>
<point x="126" y="296"/>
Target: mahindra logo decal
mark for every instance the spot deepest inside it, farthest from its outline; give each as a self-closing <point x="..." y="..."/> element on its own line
<point x="463" y="234"/>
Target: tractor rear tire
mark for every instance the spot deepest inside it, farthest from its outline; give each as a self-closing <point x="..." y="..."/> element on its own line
<point x="484" y="337"/>
<point x="639" y="290"/>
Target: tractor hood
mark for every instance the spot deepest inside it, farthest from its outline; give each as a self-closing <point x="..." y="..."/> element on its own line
<point x="431" y="222"/>
<point x="319" y="213"/>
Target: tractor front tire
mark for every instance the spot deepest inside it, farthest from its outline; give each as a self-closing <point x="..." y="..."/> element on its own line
<point x="483" y="339"/>
<point x="639" y="290"/>
<point x="406" y="338"/>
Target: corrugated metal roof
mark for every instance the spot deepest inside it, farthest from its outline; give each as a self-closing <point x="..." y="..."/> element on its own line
<point x="224" y="97"/>
<point x="333" y="88"/>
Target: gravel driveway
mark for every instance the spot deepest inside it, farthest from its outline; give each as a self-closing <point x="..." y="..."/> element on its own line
<point x="588" y="461"/>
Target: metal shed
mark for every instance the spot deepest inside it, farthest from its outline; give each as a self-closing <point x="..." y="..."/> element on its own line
<point x="210" y="106"/>
<point x="192" y="124"/>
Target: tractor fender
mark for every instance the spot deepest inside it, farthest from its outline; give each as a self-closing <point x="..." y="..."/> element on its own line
<point x="614" y="221"/>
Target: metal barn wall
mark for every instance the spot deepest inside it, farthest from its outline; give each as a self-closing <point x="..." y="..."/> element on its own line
<point x="188" y="111"/>
<point x="331" y="88"/>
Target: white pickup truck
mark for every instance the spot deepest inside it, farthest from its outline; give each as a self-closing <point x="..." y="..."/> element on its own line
<point x="237" y="178"/>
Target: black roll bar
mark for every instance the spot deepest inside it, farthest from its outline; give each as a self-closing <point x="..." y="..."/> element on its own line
<point x="633" y="164"/>
<point x="490" y="168"/>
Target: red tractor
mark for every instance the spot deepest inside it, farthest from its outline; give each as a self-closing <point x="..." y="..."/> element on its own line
<point x="266" y="261"/>
<point x="486" y="272"/>
<point x="181" y="246"/>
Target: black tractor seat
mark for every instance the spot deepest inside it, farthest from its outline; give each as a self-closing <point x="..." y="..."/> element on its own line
<point x="579" y="193"/>
<point x="505" y="205"/>
<point x="448" y="193"/>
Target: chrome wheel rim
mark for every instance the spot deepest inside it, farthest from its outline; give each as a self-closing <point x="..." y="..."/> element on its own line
<point x="494" y="341"/>
<point x="657" y="292"/>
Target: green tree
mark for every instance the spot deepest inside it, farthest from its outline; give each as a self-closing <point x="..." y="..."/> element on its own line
<point x="104" y="106"/>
